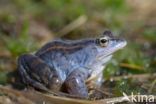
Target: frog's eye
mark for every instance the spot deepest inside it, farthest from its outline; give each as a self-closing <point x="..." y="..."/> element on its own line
<point x="104" y="41"/>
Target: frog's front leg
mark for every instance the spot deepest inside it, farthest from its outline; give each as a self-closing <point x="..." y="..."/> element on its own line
<point x="35" y="72"/>
<point x="75" y="82"/>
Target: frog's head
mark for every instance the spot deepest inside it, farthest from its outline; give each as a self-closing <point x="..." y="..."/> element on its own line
<point x="108" y="44"/>
<point x="105" y="46"/>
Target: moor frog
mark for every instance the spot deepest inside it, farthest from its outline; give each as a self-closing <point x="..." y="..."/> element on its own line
<point x="68" y="64"/>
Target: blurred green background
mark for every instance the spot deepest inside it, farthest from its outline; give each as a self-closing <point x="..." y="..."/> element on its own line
<point x="25" y="25"/>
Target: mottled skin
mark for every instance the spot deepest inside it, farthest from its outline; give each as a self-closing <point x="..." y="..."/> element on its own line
<point x="68" y="64"/>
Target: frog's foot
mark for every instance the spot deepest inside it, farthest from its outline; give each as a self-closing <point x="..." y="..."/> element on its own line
<point x="75" y="83"/>
<point x="35" y="72"/>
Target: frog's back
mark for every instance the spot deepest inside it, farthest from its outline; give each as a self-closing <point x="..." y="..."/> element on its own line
<point x="67" y="46"/>
<point x="64" y="48"/>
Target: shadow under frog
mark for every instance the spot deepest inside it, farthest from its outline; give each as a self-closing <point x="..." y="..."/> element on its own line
<point x="66" y="64"/>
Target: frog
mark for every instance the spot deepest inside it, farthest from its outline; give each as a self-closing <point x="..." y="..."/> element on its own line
<point x="66" y="65"/>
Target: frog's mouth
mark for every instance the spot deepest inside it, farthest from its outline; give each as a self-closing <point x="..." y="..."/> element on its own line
<point x="112" y="47"/>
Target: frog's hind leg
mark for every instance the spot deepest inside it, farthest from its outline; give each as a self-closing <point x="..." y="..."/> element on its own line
<point x="34" y="71"/>
<point x="75" y="83"/>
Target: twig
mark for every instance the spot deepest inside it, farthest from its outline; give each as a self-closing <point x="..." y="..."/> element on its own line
<point x="152" y="86"/>
<point x="73" y="25"/>
<point x="49" y="99"/>
<point x="15" y="95"/>
<point x="136" y="76"/>
<point x="99" y="90"/>
<point x="131" y="66"/>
